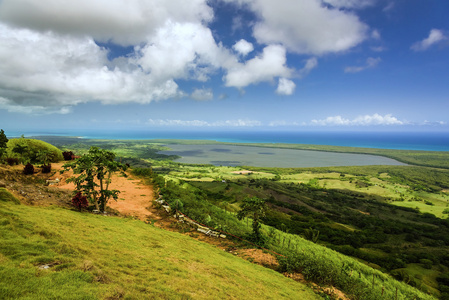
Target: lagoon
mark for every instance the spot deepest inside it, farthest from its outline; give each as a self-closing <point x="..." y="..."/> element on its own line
<point x="232" y="155"/>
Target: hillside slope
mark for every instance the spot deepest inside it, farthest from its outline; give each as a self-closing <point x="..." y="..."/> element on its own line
<point x="59" y="253"/>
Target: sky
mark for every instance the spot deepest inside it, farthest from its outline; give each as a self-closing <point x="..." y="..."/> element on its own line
<point x="284" y="65"/>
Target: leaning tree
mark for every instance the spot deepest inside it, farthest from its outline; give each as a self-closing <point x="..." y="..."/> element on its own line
<point x="92" y="176"/>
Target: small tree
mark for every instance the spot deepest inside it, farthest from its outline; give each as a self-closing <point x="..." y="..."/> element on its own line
<point x="28" y="169"/>
<point x="312" y="235"/>
<point x="256" y="208"/>
<point x="3" y="143"/>
<point x="80" y="201"/>
<point x="21" y="149"/>
<point x="94" y="171"/>
<point x="45" y="157"/>
<point x="68" y="155"/>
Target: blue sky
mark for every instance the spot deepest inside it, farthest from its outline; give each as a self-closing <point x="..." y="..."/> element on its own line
<point x="224" y="65"/>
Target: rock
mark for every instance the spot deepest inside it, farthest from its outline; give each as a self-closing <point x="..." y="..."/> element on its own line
<point x="50" y="182"/>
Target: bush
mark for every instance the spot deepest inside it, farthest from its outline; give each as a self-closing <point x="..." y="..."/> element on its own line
<point x="68" y="155"/>
<point x="80" y="201"/>
<point x="46" y="168"/>
<point x="12" y="161"/>
<point x="28" y="169"/>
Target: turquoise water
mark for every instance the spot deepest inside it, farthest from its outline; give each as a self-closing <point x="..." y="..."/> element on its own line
<point x="431" y="141"/>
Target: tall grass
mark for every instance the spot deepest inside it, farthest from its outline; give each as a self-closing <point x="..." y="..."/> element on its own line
<point x="326" y="266"/>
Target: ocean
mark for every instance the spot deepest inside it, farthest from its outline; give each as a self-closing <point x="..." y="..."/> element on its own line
<point x="429" y="141"/>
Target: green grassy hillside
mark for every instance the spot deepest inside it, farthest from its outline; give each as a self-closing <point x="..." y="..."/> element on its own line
<point x="55" y="253"/>
<point x="33" y="147"/>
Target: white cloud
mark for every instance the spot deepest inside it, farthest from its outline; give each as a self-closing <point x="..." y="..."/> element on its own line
<point x="51" y="58"/>
<point x="366" y="120"/>
<point x="272" y="63"/>
<point x="200" y="123"/>
<point x="375" y="34"/>
<point x="282" y="123"/>
<point x="378" y="49"/>
<point x="202" y="94"/>
<point x="435" y="36"/>
<point x="285" y="87"/>
<point x="305" y="27"/>
<point x="12" y="107"/>
<point x="370" y="63"/>
<point x="350" y="3"/>
<point x="311" y="64"/>
<point x="389" y="7"/>
<point x="125" y="22"/>
<point x="183" y="50"/>
<point x="41" y="69"/>
<point x="243" y="47"/>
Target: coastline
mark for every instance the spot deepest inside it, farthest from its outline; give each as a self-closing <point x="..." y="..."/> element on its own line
<point x="420" y="141"/>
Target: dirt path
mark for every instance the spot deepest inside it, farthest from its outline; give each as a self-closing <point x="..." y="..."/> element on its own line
<point x="135" y="198"/>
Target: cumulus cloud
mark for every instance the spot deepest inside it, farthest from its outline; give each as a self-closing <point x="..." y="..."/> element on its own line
<point x="51" y="56"/>
<point x="365" y="120"/>
<point x="435" y="36"/>
<point x="370" y="63"/>
<point x="285" y="87"/>
<point x="201" y="123"/>
<point x="202" y="94"/>
<point x="306" y="27"/>
<point x="272" y="63"/>
<point x="125" y="22"/>
<point x="243" y="47"/>
<point x="183" y="50"/>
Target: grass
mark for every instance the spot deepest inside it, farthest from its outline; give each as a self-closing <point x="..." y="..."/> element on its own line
<point x="96" y="257"/>
<point x="33" y="147"/>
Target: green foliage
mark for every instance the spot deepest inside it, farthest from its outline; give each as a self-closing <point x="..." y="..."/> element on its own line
<point x="328" y="267"/>
<point x="312" y="235"/>
<point x="31" y="150"/>
<point x="256" y="208"/>
<point x="93" y="173"/>
<point x="3" y="143"/>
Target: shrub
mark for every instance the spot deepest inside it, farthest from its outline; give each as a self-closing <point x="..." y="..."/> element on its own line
<point x="80" y="201"/>
<point x="68" y="155"/>
<point x="12" y="161"/>
<point x="46" y="168"/>
<point x="28" y="169"/>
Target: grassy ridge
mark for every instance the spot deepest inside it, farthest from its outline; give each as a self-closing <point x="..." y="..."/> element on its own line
<point x="97" y="257"/>
<point x="33" y="148"/>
